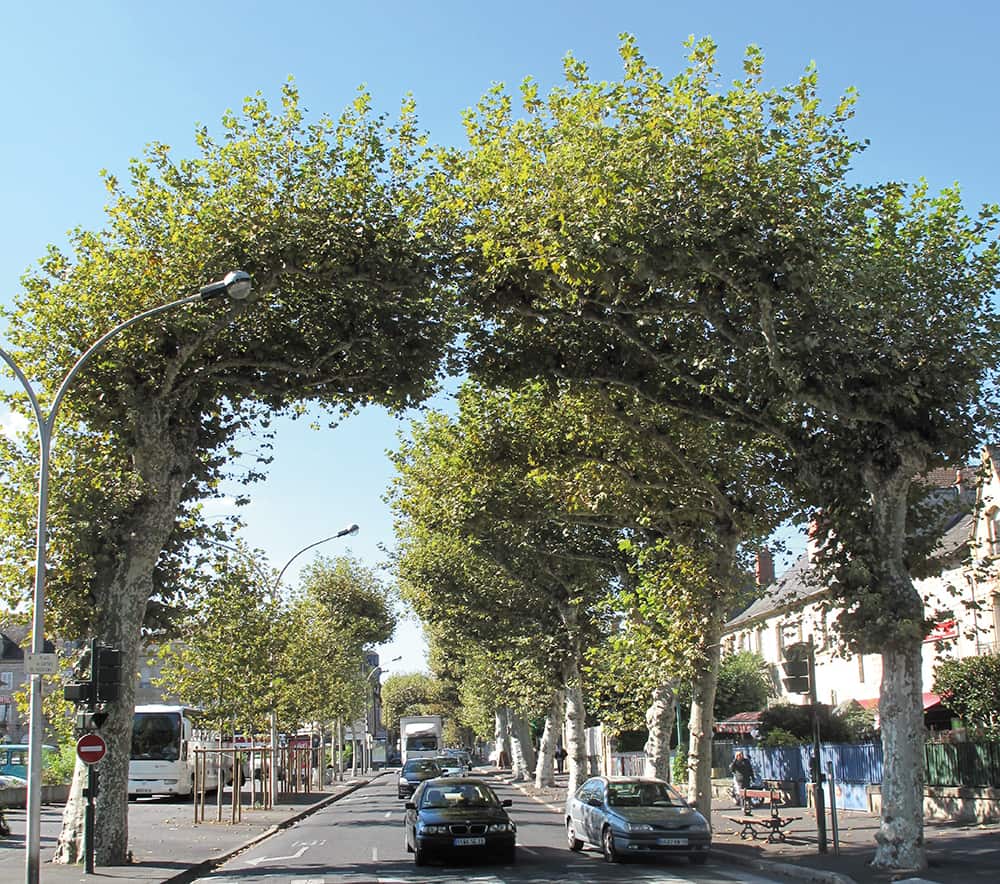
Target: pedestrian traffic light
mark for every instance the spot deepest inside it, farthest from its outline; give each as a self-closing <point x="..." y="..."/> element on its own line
<point x="796" y="667"/>
<point x="107" y="673"/>
<point x="80" y="692"/>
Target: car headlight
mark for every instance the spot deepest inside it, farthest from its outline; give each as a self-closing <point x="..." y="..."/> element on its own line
<point x="403" y="781"/>
<point x="638" y="827"/>
<point x="424" y="829"/>
<point x="500" y="827"/>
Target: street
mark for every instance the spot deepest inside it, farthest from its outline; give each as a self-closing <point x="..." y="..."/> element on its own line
<point x="360" y="838"/>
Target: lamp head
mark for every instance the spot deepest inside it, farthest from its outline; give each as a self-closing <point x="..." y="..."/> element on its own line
<point x="350" y="530"/>
<point x="235" y="285"/>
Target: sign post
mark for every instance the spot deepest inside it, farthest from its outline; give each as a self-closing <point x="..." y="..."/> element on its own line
<point x="90" y="749"/>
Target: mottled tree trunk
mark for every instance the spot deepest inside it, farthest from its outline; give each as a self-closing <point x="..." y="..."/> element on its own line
<point x="522" y="752"/>
<point x="502" y="735"/>
<point x="703" y="686"/>
<point x="544" y="769"/>
<point x="122" y="594"/>
<point x="660" y="724"/>
<point x="900" y="839"/>
<point x="576" y="743"/>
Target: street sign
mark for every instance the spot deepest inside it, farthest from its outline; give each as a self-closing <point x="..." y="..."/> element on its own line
<point x="41" y="664"/>
<point x="91" y="748"/>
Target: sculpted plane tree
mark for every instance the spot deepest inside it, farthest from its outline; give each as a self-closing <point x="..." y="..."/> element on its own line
<point x="330" y="220"/>
<point x="702" y="247"/>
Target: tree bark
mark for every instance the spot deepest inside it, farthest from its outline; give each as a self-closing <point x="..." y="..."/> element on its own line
<point x="522" y="752"/>
<point x="703" y="686"/>
<point x="122" y="596"/>
<point x="544" y="769"/>
<point x="576" y="743"/>
<point x="502" y="735"/>
<point x="900" y="839"/>
<point x="660" y="724"/>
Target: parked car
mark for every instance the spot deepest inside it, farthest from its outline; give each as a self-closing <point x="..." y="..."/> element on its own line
<point x="414" y="772"/>
<point x="458" y="816"/>
<point x="634" y="816"/>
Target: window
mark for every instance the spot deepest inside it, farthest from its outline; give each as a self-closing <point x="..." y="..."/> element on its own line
<point x="993" y="531"/>
<point x="6" y="680"/>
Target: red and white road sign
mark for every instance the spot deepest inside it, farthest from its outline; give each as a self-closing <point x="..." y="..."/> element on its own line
<point x="91" y="748"/>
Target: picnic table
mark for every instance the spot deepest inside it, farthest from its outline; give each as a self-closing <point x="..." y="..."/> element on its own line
<point x="772" y="825"/>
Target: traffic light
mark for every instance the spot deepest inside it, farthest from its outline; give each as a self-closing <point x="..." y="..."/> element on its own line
<point x="107" y="673"/>
<point x="90" y="721"/>
<point x="796" y="667"/>
<point x="81" y="693"/>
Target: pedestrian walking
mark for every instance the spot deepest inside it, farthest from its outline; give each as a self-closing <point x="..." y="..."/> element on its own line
<point x="742" y="770"/>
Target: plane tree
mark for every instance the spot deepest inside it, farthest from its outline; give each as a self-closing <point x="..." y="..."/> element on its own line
<point x="483" y="541"/>
<point x="703" y="247"/>
<point x="329" y="217"/>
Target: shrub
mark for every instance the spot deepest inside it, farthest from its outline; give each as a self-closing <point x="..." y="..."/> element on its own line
<point x="777" y="737"/>
<point x="58" y="768"/>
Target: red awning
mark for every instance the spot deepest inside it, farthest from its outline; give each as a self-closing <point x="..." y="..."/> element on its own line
<point x="740" y="723"/>
<point x="872" y="702"/>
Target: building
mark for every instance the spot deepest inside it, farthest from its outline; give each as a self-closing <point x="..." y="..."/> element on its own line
<point x="964" y="599"/>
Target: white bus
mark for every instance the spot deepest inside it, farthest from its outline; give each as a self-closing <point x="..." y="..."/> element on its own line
<point x="162" y="759"/>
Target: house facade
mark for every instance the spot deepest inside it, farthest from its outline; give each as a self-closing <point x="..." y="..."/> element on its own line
<point x="963" y="599"/>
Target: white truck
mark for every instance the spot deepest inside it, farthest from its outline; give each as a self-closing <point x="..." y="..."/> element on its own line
<point x="420" y="736"/>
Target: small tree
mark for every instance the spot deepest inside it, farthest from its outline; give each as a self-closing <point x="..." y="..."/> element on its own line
<point x="745" y="684"/>
<point x="971" y="689"/>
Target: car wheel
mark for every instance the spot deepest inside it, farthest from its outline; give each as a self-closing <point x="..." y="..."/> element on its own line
<point x="510" y="858"/>
<point x="699" y="858"/>
<point x="608" y="845"/>
<point x="419" y="857"/>
<point x="574" y="843"/>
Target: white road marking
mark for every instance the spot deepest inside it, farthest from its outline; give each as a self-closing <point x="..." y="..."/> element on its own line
<point x="268" y="859"/>
<point x="374" y="854"/>
<point x="388" y="814"/>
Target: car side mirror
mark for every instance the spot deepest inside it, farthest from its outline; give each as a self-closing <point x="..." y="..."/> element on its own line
<point x="410" y="805"/>
<point x="507" y="802"/>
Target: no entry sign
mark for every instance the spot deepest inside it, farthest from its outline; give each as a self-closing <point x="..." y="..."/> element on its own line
<point x="90" y="748"/>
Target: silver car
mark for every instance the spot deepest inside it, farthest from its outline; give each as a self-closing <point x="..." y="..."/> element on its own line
<point x="635" y="816"/>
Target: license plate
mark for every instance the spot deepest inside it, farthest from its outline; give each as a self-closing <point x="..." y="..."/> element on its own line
<point x="144" y="790"/>
<point x="672" y="842"/>
<point x="469" y="842"/>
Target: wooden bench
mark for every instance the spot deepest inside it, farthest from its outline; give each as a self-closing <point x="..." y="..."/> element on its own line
<point x="773" y="797"/>
<point x="757" y="826"/>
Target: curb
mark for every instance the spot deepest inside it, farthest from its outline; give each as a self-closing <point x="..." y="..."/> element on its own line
<point x="207" y="866"/>
<point x="785" y="870"/>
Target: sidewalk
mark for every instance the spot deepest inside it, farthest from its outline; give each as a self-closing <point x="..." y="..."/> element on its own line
<point x="166" y="844"/>
<point x="957" y="853"/>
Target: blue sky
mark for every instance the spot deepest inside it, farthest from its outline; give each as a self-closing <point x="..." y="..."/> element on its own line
<point x="86" y="86"/>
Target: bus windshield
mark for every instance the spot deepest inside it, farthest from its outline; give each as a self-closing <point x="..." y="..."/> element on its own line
<point x="156" y="736"/>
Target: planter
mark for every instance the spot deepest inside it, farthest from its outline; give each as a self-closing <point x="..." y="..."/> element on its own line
<point x="18" y="797"/>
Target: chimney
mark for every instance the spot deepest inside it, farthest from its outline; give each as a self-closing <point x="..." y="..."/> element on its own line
<point x="765" y="568"/>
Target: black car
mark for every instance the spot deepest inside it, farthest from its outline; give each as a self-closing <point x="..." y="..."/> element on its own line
<point x="461" y="817"/>
<point x="633" y="816"/>
<point x="414" y="772"/>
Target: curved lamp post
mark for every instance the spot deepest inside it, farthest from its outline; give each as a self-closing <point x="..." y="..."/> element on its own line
<point x="236" y="285"/>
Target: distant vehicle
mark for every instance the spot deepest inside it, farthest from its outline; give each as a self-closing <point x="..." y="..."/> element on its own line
<point x="635" y="816"/>
<point x="451" y="766"/>
<point x="420" y="736"/>
<point x="414" y="772"/>
<point x="14" y="758"/>
<point x="462" y="757"/>
<point x="459" y="817"/>
<point x="162" y="759"/>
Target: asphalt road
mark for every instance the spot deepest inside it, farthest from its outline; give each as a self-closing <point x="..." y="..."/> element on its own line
<point x="360" y="839"/>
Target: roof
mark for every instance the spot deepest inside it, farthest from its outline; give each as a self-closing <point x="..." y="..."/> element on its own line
<point x="802" y="583"/>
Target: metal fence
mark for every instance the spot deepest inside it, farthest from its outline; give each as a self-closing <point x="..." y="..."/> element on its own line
<point x="962" y="764"/>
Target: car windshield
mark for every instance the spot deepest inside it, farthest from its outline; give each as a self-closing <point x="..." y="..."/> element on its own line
<point x="421" y="765"/>
<point x="639" y="794"/>
<point x="459" y="795"/>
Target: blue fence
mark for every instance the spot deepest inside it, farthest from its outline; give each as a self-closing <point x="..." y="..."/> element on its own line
<point x="855" y="766"/>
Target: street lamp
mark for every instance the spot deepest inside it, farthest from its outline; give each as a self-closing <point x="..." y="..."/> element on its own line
<point x="368" y="685"/>
<point x="236" y="285"/>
